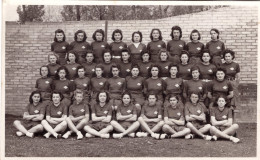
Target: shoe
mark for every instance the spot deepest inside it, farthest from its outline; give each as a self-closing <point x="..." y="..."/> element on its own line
<point x="144" y="134"/>
<point x="214" y="138"/>
<point x="80" y="136"/>
<point x="234" y="139"/>
<point x="162" y="136"/>
<point x="117" y="136"/>
<point x="29" y="134"/>
<point x="139" y="134"/>
<point x="66" y="135"/>
<point x="207" y="138"/>
<point x="88" y="135"/>
<point x="105" y="136"/>
<point x="155" y="135"/>
<point x="189" y="136"/>
<point x="131" y="135"/>
<point x="46" y="135"/>
<point x="19" y="134"/>
<point x="58" y="136"/>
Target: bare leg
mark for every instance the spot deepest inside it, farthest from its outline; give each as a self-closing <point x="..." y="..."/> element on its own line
<point x="195" y="130"/>
<point x="167" y="129"/>
<point x="158" y="126"/>
<point x="181" y="133"/>
<point x="215" y="132"/>
<point x="61" y="127"/>
<point x="36" y="129"/>
<point x="132" y="128"/>
<point x="145" y="126"/>
<point x="117" y="126"/>
<point x="231" y="130"/>
<point x="49" y="129"/>
<point x="205" y="128"/>
<point x="92" y="131"/>
<point x="17" y="124"/>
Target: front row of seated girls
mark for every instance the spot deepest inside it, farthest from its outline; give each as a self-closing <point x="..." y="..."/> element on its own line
<point x="157" y="121"/>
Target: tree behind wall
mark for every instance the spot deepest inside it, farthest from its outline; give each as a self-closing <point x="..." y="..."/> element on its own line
<point x="30" y="13"/>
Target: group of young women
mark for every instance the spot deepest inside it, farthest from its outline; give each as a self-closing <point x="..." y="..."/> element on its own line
<point x="173" y="90"/>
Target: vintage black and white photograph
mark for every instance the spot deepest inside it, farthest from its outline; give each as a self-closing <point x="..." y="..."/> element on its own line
<point x="130" y="79"/>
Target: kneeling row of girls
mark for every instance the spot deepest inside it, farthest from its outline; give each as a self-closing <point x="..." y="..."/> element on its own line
<point x="159" y="121"/>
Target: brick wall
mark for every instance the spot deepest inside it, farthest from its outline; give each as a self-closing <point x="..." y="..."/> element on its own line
<point x="27" y="45"/>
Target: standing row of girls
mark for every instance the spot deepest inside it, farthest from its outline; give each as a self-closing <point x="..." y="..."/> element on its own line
<point x="154" y="71"/>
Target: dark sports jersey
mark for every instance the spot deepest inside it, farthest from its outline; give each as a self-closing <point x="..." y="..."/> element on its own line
<point x="44" y="84"/>
<point x="98" y="48"/>
<point x="89" y="69"/>
<point x="125" y="69"/>
<point x="63" y="86"/>
<point x="72" y="68"/>
<point x="126" y="110"/>
<point x="207" y="71"/>
<point x="174" y="112"/>
<point x="185" y="71"/>
<point x="97" y="84"/>
<point x="56" y="111"/>
<point x="231" y="69"/>
<point x="134" y="84"/>
<point x="61" y="48"/>
<point x="215" y="48"/>
<point x="116" y="48"/>
<point x="164" y="67"/>
<point x="77" y="110"/>
<point x="174" y="47"/>
<point x="53" y="69"/>
<point x="218" y="88"/>
<point x="154" y="85"/>
<point x="34" y="110"/>
<point x="115" y="85"/>
<point x="81" y="49"/>
<point x="173" y="86"/>
<point x="151" y="111"/>
<point x="221" y="115"/>
<point x="191" y="109"/>
<point x="195" y="49"/>
<point x="194" y="86"/>
<point x="107" y="69"/>
<point x="135" y="52"/>
<point x="144" y="68"/>
<point x="83" y="84"/>
<point x="154" y="47"/>
<point x="102" y="111"/>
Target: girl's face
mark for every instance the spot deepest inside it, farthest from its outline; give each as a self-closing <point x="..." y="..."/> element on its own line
<point x="80" y="37"/>
<point x="79" y="97"/>
<point x="173" y="71"/>
<point x="194" y="98"/>
<point x="221" y="103"/>
<point x="99" y="72"/>
<point x="137" y="38"/>
<point x="102" y="97"/>
<point x="228" y="57"/>
<point x="36" y="98"/>
<point x="53" y="59"/>
<point x="163" y="56"/>
<point x="117" y="36"/>
<point x="184" y="58"/>
<point x="107" y="57"/>
<point x="155" y="34"/>
<point x="173" y="101"/>
<point x="72" y="57"/>
<point x="220" y="75"/>
<point x="115" y="72"/>
<point x="81" y="73"/>
<point x="195" y="74"/>
<point x="214" y="35"/>
<point x="89" y="57"/>
<point x="126" y="99"/>
<point x="152" y="99"/>
<point x="125" y="56"/>
<point x="155" y="72"/>
<point x="99" y="36"/>
<point x="206" y="57"/>
<point x="44" y="71"/>
<point x="135" y="72"/>
<point x="145" y="57"/>
<point x="176" y="34"/>
<point x="59" y="37"/>
<point x="56" y="98"/>
<point x="195" y="36"/>
<point x="62" y="74"/>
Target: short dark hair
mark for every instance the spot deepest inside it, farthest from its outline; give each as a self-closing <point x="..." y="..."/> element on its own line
<point x="59" y="69"/>
<point x="144" y="52"/>
<point x="218" y="97"/>
<point x="173" y="95"/>
<point x="126" y="50"/>
<point x="108" y="98"/>
<point x="126" y="93"/>
<point x="117" y="31"/>
<point x="140" y="34"/>
<point x="194" y="31"/>
<point x="152" y="94"/>
<point x="216" y="30"/>
<point x="75" y="54"/>
<point x="115" y="66"/>
<point x="48" y="75"/>
<point x="135" y="66"/>
<point x="176" y="28"/>
<point x="150" y="69"/>
<point x="164" y="50"/>
<point x="77" y="70"/>
<point x="106" y="51"/>
<point x="101" y="67"/>
<point x="197" y="93"/>
<point x="56" y="92"/>
<point x="80" y="31"/>
<point x="173" y="65"/>
<point x="59" y="31"/>
<point x="221" y="69"/>
<point x="98" y="31"/>
<point x="33" y="93"/>
<point x="185" y="52"/>
<point x="206" y="51"/>
<point x="229" y="51"/>
<point x="160" y="33"/>
<point x="52" y="54"/>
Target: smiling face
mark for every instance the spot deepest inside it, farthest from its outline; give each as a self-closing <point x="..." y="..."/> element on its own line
<point x="72" y="57"/>
<point x="79" y="97"/>
<point x="117" y="37"/>
<point x="80" y="37"/>
<point x="126" y="99"/>
<point x="44" y="71"/>
<point x="228" y="57"/>
<point x="221" y="103"/>
<point x="194" y="98"/>
<point x="102" y="97"/>
<point x="99" y="36"/>
<point x="195" y="36"/>
<point x="220" y="75"/>
<point x="59" y="37"/>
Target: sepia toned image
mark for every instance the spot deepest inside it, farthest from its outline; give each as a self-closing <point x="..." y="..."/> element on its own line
<point x="130" y="80"/>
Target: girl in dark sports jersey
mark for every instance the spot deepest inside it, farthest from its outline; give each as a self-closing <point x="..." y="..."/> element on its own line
<point x="185" y="66"/>
<point x="107" y="58"/>
<point x="176" y="45"/>
<point x="125" y="64"/>
<point x="72" y="64"/>
<point x="60" y="46"/>
<point x="164" y="63"/>
<point x="89" y="65"/>
<point x="156" y="44"/>
<point x="53" y="66"/>
<point x="195" y="47"/>
<point x="145" y="64"/>
<point x="117" y="46"/>
<point x="136" y="47"/>
<point x="98" y="45"/>
<point x="32" y="116"/>
<point x="80" y="46"/>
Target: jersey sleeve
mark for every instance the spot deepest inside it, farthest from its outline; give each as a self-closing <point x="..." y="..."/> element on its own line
<point x="43" y="109"/>
<point x="229" y="113"/>
<point x="109" y="109"/>
<point x="134" y="110"/>
<point x="86" y="108"/>
<point x="93" y="108"/>
<point x="186" y="110"/>
<point x="70" y="110"/>
<point x="48" y="110"/>
<point x="230" y="87"/>
<point x="165" y="111"/>
<point x="65" y="110"/>
<point x="237" y="68"/>
<point x="143" y="109"/>
<point x="159" y="109"/>
<point x="212" y="112"/>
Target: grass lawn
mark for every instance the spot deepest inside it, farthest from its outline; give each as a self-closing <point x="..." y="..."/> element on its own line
<point x="128" y="147"/>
